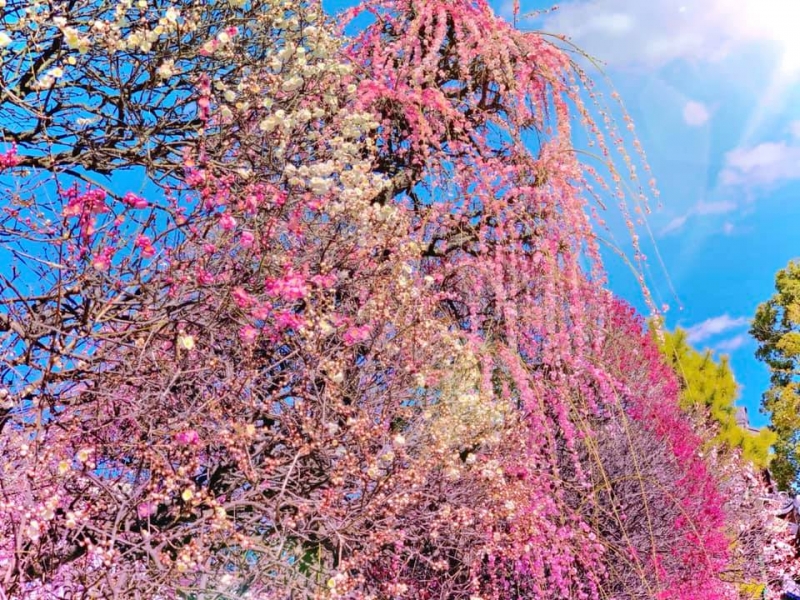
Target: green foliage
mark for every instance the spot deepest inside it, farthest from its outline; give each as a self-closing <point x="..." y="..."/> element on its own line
<point x="776" y="327"/>
<point x="708" y="387"/>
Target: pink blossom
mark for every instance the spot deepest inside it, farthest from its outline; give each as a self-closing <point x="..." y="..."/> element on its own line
<point x="355" y="335"/>
<point x="204" y="277"/>
<point x="145" y="245"/>
<point x="187" y="437"/>
<point x="146" y="509"/>
<point x="290" y="287"/>
<point x="262" y="311"/>
<point x="227" y="222"/>
<point x="134" y="201"/>
<point x="241" y="297"/>
<point x="249" y="334"/>
<point x="288" y="320"/>
<point x="307" y="419"/>
<point x="91" y="202"/>
<point x="9" y="158"/>
<point x="247" y="239"/>
<point x="326" y="281"/>
<point x="253" y="201"/>
<point x="204" y="106"/>
<point x="102" y="261"/>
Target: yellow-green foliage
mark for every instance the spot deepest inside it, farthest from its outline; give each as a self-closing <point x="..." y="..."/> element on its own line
<point x="776" y="328"/>
<point x="751" y="591"/>
<point x="709" y="384"/>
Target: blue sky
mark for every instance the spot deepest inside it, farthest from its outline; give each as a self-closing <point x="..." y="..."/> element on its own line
<point x="714" y="89"/>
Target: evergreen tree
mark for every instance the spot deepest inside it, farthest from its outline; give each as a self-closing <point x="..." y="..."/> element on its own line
<point x="709" y="391"/>
<point x="776" y="327"/>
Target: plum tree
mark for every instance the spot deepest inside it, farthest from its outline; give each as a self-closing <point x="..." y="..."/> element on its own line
<point x="359" y="346"/>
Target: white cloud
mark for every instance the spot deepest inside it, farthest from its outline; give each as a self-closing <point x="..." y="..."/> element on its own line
<point x="713" y="327"/>
<point x="714" y="208"/>
<point x="700" y="209"/>
<point x="695" y="114"/>
<point x="732" y="344"/>
<point x="656" y="32"/>
<point x="794" y="129"/>
<point x="675" y="225"/>
<point x="765" y="164"/>
<point x="728" y="228"/>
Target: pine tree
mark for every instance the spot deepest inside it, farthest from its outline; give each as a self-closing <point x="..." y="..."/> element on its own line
<point x="709" y="392"/>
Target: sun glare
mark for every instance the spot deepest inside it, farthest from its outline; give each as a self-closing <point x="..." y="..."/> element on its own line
<point x="790" y="42"/>
<point x="778" y="20"/>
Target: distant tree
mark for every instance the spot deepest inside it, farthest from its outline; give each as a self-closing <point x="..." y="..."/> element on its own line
<point x="776" y="327"/>
<point x="708" y="392"/>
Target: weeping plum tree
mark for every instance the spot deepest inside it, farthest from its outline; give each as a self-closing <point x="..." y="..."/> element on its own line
<point x="358" y="346"/>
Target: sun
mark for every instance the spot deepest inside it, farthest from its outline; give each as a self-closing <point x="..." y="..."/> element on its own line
<point x="788" y="38"/>
<point x="777" y="21"/>
<point x="773" y="22"/>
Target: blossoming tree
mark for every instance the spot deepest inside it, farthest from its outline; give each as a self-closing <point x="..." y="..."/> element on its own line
<point x="358" y="346"/>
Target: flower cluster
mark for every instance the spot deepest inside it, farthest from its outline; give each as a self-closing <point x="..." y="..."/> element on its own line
<point x="351" y="348"/>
